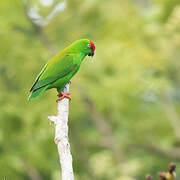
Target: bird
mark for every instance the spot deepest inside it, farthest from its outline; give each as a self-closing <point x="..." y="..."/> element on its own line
<point x="61" y="68"/>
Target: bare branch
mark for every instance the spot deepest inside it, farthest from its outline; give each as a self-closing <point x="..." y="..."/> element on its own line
<point x="171" y="113"/>
<point x="173" y="153"/>
<point x="40" y="31"/>
<point x="61" y="137"/>
<point x="149" y="177"/>
<point x="103" y="127"/>
<point x="31" y="171"/>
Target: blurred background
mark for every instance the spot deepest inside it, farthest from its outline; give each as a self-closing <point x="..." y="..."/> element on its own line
<point x="125" y="113"/>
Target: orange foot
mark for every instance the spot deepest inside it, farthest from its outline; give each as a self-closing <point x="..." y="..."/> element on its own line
<point x="63" y="95"/>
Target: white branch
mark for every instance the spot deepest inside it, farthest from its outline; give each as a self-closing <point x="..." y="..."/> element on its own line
<point x="61" y="137"/>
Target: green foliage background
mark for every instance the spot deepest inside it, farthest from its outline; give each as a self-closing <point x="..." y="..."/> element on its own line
<point x="129" y="125"/>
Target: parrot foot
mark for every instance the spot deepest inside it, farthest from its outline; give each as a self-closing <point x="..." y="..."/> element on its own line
<point x="63" y="95"/>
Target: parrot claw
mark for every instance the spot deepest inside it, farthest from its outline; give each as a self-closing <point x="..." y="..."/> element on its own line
<point x="63" y="95"/>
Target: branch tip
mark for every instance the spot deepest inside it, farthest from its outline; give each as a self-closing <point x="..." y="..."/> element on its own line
<point x="52" y="119"/>
<point x="149" y="177"/>
<point x="162" y="175"/>
<point x="171" y="167"/>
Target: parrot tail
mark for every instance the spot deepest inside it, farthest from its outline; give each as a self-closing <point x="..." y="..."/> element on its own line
<point x="37" y="92"/>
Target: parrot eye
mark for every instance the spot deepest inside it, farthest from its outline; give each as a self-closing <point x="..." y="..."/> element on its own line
<point x="89" y="45"/>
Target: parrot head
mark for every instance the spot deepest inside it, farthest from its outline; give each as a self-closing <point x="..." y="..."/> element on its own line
<point x="92" y="47"/>
<point x="84" y="45"/>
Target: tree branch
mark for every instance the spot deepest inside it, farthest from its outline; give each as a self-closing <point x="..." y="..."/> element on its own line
<point x="31" y="171"/>
<point x="173" y="153"/>
<point x="103" y="127"/>
<point x="61" y="137"/>
<point x="171" y="113"/>
<point x="40" y="31"/>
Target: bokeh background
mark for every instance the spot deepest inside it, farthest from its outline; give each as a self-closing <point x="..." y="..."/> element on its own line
<point x="125" y="113"/>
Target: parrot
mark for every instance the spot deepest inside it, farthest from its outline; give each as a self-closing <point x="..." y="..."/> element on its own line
<point x="61" y="68"/>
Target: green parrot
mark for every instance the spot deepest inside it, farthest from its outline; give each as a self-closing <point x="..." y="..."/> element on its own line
<point x="61" y="68"/>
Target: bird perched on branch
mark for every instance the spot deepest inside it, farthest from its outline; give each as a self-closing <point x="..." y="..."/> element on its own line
<point x="61" y="68"/>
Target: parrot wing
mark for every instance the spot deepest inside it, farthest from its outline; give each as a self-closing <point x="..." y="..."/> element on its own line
<point x="37" y="79"/>
<point x="56" y="68"/>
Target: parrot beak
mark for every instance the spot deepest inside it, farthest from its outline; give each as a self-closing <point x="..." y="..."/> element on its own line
<point x="91" y="54"/>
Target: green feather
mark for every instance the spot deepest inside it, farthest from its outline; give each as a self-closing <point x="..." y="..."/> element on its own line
<point x="51" y="73"/>
<point x="36" y="93"/>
